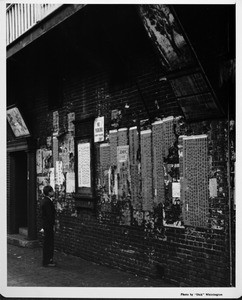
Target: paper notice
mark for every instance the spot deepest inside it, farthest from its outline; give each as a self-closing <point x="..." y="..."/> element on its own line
<point x="70" y="182"/>
<point x="84" y="170"/>
<point x="176" y="189"/>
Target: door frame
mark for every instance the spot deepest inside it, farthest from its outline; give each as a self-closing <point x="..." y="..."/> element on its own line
<point x="26" y="145"/>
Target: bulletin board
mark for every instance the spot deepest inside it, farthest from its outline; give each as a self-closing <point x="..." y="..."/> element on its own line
<point x="84" y="173"/>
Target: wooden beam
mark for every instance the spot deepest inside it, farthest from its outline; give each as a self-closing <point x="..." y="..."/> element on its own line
<point x="48" y="23"/>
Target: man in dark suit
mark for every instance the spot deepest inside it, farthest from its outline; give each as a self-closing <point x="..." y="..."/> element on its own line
<point x="48" y="221"/>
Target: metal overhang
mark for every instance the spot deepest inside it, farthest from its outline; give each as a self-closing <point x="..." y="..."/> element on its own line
<point x="180" y="63"/>
<point x="39" y="29"/>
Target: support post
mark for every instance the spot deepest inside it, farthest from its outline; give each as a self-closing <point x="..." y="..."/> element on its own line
<point x="31" y="195"/>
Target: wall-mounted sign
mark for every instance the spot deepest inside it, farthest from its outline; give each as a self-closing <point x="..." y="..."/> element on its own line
<point x="59" y="178"/>
<point x="84" y="167"/>
<point x="122" y="154"/>
<point x="16" y="122"/>
<point x="176" y="189"/>
<point x="99" y="129"/>
<point x="70" y="182"/>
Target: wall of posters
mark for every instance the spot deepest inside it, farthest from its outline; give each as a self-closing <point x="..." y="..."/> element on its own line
<point x="84" y="168"/>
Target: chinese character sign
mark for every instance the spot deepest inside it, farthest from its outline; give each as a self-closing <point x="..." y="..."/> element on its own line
<point x="99" y="129"/>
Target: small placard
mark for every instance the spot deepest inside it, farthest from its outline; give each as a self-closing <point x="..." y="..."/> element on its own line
<point x="213" y="187"/>
<point x="99" y="129"/>
<point x="175" y="189"/>
<point x="122" y="153"/>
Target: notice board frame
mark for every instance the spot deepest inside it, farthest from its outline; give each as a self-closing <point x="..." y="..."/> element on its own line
<point x="84" y="196"/>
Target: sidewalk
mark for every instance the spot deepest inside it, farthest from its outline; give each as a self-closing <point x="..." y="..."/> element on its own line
<point x="25" y="270"/>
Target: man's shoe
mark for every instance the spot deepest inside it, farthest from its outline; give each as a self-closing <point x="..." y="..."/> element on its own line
<point x="50" y="265"/>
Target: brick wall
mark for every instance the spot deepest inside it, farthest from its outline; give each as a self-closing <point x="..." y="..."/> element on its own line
<point x="186" y="256"/>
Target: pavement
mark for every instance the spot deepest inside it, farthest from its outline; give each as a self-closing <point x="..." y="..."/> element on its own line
<point x="24" y="269"/>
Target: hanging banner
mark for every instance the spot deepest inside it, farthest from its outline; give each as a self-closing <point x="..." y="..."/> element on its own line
<point x="99" y="129"/>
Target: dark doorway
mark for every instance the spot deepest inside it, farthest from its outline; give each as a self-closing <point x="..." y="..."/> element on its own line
<point x="21" y="189"/>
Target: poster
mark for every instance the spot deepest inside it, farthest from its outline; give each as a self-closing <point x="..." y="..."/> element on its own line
<point x="59" y="174"/>
<point x="56" y="121"/>
<point x="52" y="177"/>
<point x="122" y="154"/>
<point x="42" y="181"/>
<point x="70" y="182"/>
<point x="213" y="187"/>
<point x="84" y="169"/>
<point x="46" y="160"/>
<point x="64" y="154"/>
<point x="16" y="122"/>
<point x="55" y="150"/>
<point x="71" y="144"/>
<point x="39" y="161"/>
<point x="99" y="129"/>
<point x="71" y="118"/>
<point x="49" y="142"/>
<point x="175" y="189"/>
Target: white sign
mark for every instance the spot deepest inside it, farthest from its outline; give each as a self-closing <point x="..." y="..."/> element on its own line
<point x="52" y="177"/>
<point x="70" y="182"/>
<point x="59" y="174"/>
<point x="99" y="129"/>
<point x="213" y="187"/>
<point x="176" y="189"/>
<point x="122" y="153"/>
<point x="84" y="170"/>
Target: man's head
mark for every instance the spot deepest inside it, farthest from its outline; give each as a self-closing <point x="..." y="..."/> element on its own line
<point x="48" y="190"/>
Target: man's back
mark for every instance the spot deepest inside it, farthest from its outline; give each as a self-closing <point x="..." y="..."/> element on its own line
<point x="47" y="212"/>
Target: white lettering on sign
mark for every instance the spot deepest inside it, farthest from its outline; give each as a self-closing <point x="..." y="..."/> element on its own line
<point x="84" y="168"/>
<point x="99" y="129"/>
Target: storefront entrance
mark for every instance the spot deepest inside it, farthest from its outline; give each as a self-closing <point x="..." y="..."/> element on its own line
<point x="21" y="198"/>
<point x="21" y="190"/>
